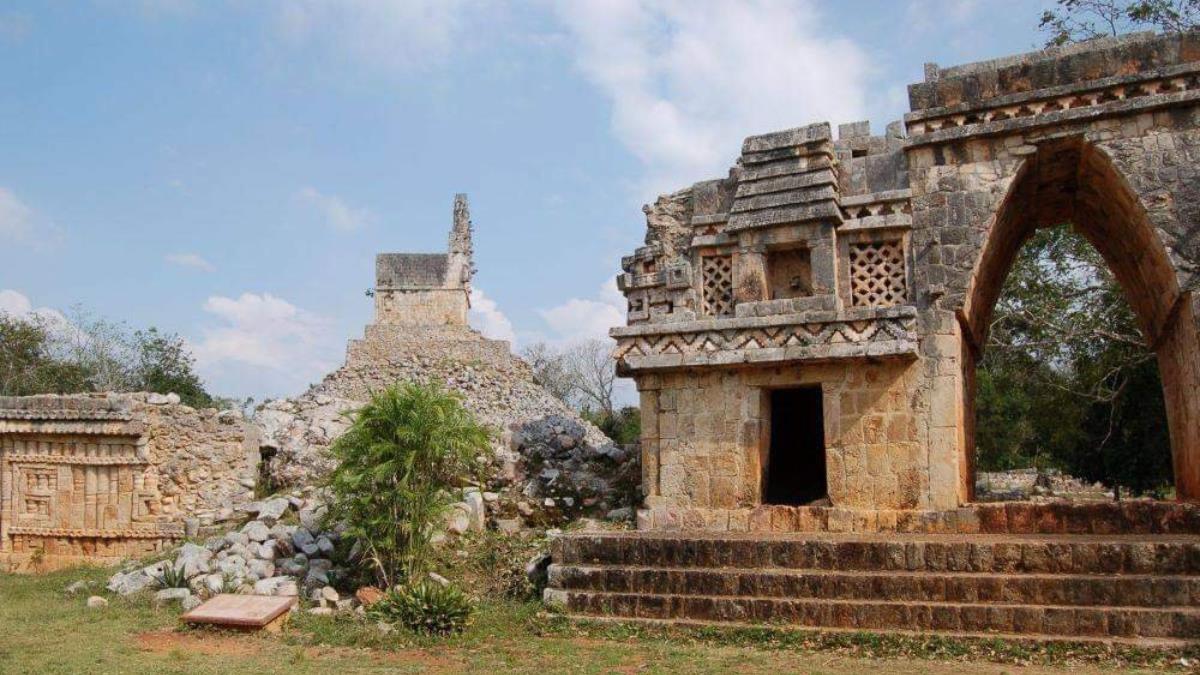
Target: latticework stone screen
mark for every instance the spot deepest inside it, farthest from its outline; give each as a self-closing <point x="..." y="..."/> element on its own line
<point x="877" y="274"/>
<point x="717" y="290"/>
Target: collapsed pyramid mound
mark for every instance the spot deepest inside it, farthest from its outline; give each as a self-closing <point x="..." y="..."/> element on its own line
<point x="543" y="449"/>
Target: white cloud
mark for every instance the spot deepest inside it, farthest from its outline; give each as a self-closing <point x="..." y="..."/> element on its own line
<point x="20" y="223"/>
<point x="400" y="35"/>
<point x="485" y="316"/>
<point x="264" y="344"/>
<point x="334" y="211"/>
<point x="191" y="260"/>
<point x="18" y="305"/>
<point x="688" y="79"/>
<point x="586" y="318"/>
<point x="14" y="303"/>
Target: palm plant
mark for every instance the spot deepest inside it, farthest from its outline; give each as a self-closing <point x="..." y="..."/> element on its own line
<point x="397" y="463"/>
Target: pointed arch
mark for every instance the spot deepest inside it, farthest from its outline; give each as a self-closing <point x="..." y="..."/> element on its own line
<point x="1073" y="181"/>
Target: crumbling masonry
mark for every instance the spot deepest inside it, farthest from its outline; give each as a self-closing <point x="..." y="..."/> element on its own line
<point x="99" y="478"/>
<point x="804" y="335"/>
<point x="866" y="268"/>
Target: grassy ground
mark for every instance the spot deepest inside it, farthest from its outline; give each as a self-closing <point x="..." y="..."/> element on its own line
<point x="45" y="630"/>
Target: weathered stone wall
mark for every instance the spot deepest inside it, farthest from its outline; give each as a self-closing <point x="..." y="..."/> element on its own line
<point x="443" y="306"/>
<point x="824" y="260"/>
<point x="114" y="475"/>
<point x="705" y="433"/>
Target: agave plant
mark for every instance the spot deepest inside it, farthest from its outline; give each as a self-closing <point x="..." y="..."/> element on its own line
<point x="426" y="607"/>
<point x="171" y="576"/>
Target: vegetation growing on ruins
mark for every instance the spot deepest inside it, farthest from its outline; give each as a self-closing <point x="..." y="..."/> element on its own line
<point x="1067" y="379"/>
<point x="397" y="463"/>
<point x="584" y="376"/>
<point x="51" y="355"/>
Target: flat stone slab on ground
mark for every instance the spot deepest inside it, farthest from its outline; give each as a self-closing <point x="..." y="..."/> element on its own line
<point x="242" y="611"/>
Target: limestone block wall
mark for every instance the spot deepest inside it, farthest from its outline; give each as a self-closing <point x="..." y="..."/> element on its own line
<point x="421" y="307"/>
<point x="704" y="434"/>
<point x="207" y="460"/>
<point x="115" y="475"/>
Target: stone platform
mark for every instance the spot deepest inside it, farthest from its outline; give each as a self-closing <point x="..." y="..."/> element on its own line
<point x="1141" y="589"/>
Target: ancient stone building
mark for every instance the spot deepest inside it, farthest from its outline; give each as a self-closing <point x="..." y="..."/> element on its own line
<point x="806" y="329"/>
<point x="804" y="334"/>
<point x="420" y="334"/>
<point x="104" y="477"/>
<point x="427" y="289"/>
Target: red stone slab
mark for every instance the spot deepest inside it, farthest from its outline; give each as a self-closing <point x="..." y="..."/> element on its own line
<point x="242" y="611"/>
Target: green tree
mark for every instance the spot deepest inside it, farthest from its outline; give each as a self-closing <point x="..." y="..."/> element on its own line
<point x="163" y="364"/>
<point x="398" y="462"/>
<point x="1067" y="379"/>
<point x="1078" y="20"/>
<point x="27" y="362"/>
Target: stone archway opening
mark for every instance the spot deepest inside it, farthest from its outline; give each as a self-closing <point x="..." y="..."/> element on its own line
<point x="1069" y="181"/>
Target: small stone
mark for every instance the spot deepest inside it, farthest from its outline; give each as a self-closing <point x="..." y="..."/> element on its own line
<point x="97" y="602"/>
<point x="169" y="595"/>
<point x="232" y="538"/>
<point x="214" y="583"/>
<point x="190" y="602"/>
<point x="458" y="519"/>
<point x="439" y="579"/>
<point x="324" y="545"/>
<point x="329" y="594"/>
<point x="276" y="586"/>
<point x="257" y="531"/>
<point x="273" y="509"/>
<point x="368" y="595"/>
<point x="78" y="586"/>
<point x="508" y="525"/>
<point x="320" y="611"/>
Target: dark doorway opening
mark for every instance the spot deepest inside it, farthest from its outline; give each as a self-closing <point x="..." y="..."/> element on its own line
<point x="796" y="458"/>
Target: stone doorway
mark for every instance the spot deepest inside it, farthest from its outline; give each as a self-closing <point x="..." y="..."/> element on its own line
<point x="794" y="473"/>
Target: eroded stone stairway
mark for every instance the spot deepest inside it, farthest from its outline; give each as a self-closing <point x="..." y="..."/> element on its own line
<point x="1124" y="588"/>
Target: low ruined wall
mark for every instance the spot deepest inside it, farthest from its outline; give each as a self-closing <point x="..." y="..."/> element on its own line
<point x="107" y="476"/>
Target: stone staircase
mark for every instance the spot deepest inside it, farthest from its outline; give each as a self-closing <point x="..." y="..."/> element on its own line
<point x="1142" y="589"/>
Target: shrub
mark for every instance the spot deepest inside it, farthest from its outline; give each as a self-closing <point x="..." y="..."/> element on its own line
<point x="172" y="576"/>
<point x="397" y="463"/>
<point x="426" y="607"/>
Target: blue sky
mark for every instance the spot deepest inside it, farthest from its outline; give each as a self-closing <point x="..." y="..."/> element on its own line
<point x="227" y="169"/>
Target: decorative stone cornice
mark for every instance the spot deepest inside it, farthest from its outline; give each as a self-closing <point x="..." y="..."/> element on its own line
<point x="817" y="336"/>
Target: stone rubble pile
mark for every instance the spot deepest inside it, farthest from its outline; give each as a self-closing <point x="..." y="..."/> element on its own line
<point x="561" y="469"/>
<point x="1036" y="485"/>
<point x="265" y="556"/>
<point x="550" y="464"/>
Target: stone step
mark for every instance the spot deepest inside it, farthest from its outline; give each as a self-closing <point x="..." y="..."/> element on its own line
<point x="936" y="617"/>
<point x="1142" y="643"/>
<point x="1002" y="554"/>
<point x="1136" y="590"/>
